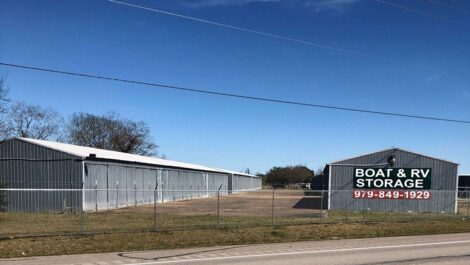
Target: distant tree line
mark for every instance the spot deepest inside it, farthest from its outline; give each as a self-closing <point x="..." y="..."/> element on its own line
<point x="108" y="131"/>
<point x="288" y="175"/>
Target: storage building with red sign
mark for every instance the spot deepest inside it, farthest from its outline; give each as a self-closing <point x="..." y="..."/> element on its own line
<point x="392" y="180"/>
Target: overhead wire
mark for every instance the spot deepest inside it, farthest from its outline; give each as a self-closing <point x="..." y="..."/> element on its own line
<point x="423" y="13"/>
<point x="449" y="6"/>
<point x="233" y="95"/>
<point x="462" y="3"/>
<point x="265" y="34"/>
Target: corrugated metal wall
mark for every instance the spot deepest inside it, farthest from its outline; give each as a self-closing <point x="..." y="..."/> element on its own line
<point x="111" y="185"/>
<point x="244" y="183"/>
<point x="257" y="183"/>
<point x="443" y="186"/>
<point x="107" y="185"/>
<point x="115" y="185"/>
<point x="39" y="168"/>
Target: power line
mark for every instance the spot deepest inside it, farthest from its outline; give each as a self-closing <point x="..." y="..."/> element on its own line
<point x="449" y="6"/>
<point x="462" y="3"/>
<point x="423" y="13"/>
<point x="265" y="34"/>
<point x="239" y="96"/>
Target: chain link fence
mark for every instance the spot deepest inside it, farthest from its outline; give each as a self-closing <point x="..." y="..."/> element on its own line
<point x="28" y="212"/>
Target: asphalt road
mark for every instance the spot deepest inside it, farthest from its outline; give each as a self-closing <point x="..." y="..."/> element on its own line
<point x="436" y="249"/>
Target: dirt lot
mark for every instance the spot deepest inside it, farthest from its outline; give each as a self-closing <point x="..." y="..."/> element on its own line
<point x="236" y="210"/>
<point x="259" y="203"/>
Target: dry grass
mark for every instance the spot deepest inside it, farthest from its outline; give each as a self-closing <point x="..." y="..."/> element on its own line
<point x="245" y="218"/>
<point x="236" y="210"/>
<point x="22" y="224"/>
<point x="60" y="245"/>
<point x="257" y="203"/>
<point x="464" y="208"/>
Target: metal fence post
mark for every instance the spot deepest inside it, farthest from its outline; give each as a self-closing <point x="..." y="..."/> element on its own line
<point x="155" y="208"/>
<point x="117" y="194"/>
<point x="419" y="208"/>
<point x="272" y="209"/>
<point x="218" y="206"/>
<point x="402" y="212"/>
<point x="321" y="205"/>
<point x="468" y="202"/>
<point x="439" y="204"/>
<point x="82" y="216"/>
<point x="385" y="211"/>
<point x="82" y="220"/>
<point x="107" y="188"/>
<point x="364" y="213"/>
<point x="96" y="195"/>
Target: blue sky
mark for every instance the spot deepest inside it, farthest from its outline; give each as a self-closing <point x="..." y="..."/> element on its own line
<point x="427" y="74"/>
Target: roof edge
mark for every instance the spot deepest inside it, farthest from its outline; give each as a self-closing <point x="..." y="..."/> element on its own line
<point x="393" y="149"/>
<point x="209" y="169"/>
<point x="45" y="146"/>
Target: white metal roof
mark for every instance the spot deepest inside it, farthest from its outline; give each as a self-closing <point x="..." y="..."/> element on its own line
<point x="235" y="172"/>
<point x="83" y="152"/>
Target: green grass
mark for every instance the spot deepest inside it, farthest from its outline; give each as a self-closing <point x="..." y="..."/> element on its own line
<point x="133" y="229"/>
<point x="118" y="242"/>
<point x="31" y="224"/>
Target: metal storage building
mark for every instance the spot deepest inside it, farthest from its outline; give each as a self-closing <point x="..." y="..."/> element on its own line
<point x="464" y="181"/>
<point x="93" y="179"/>
<point x="441" y="190"/>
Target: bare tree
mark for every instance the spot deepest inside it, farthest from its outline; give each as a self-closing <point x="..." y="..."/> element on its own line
<point x="319" y="171"/>
<point x="111" y="132"/>
<point x="32" y="121"/>
<point x="3" y="108"/>
<point x="3" y="94"/>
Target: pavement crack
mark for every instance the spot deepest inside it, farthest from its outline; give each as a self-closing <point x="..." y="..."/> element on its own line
<point x="404" y="261"/>
<point x="124" y="255"/>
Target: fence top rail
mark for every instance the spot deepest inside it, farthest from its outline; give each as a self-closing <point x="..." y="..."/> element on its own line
<point x="129" y="189"/>
<point x="213" y="190"/>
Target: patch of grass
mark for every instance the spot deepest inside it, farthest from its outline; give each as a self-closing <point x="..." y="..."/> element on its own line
<point x="60" y="245"/>
<point x="464" y="208"/>
<point x="31" y="224"/>
<point x="199" y="229"/>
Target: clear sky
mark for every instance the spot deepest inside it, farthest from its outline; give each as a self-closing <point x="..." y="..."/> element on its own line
<point x="428" y="74"/>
